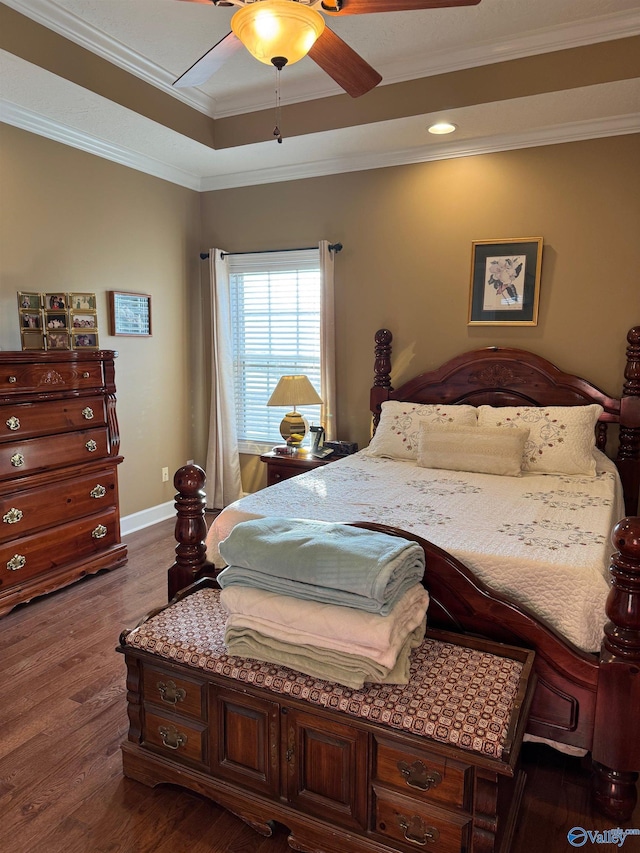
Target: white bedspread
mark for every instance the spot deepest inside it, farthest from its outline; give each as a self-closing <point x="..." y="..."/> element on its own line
<point x="540" y="538"/>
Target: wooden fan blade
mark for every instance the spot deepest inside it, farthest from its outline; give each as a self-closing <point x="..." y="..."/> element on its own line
<point x="343" y="64"/>
<point x="366" y="7"/>
<point x="207" y="65"/>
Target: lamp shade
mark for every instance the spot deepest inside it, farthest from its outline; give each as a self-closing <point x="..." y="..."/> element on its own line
<point x="280" y="29"/>
<point x="292" y="391"/>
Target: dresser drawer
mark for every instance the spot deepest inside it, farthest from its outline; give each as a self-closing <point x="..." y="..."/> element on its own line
<point x="185" y="696"/>
<point x="25" y="420"/>
<point x="424" y="775"/>
<point x="418" y="825"/>
<point x="42" y="552"/>
<point x="49" y="377"/>
<point x="176" y="737"/>
<point x="36" y="454"/>
<point x="37" y="508"/>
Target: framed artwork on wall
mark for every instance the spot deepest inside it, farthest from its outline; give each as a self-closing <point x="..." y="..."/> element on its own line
<point x="505" y="282"/>
<point x="130" y="313"/>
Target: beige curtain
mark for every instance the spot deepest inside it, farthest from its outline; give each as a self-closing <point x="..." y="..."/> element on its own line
<point x="223" y="462"/>
<point x="328" y="343"/>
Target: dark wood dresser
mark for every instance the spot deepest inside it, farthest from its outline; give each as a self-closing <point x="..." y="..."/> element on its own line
<point x="59" y="446"/>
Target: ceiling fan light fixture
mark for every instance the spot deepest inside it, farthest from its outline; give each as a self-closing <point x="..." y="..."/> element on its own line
<point x="277" y="29"/>
<point x="442" y="127"/>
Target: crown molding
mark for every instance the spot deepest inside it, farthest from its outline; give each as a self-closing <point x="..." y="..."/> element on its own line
<point x="35" y="123"/>
<point x="571" y="132"/>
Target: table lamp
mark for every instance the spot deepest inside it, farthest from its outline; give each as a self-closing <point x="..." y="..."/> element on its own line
<point x="294" y="391"/>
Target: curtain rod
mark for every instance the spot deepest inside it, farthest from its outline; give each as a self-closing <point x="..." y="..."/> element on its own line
<point x="333" y="247"/>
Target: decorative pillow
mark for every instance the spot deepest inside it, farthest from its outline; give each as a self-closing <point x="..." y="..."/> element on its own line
<point x="484" y="450"/>
<point x="397" y="433"/>
<point x="561" y="438"/>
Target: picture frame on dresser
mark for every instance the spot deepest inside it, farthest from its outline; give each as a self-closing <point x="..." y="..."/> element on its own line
<point x="130" y="313"/>
<point x="505" y="282"/>
<point x="85" y="340"/>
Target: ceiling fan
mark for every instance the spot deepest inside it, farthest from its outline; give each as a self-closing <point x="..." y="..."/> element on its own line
<point x="280" y="32"/>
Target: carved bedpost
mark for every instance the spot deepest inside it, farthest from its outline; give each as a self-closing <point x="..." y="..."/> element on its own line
<point x="628" y="460"/>
<point x="191" y="529"/>
<point x="616" y="737"/>
<point x="381" y="373"/>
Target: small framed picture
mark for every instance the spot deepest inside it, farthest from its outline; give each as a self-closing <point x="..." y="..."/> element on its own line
<point x="32" y="340"/>
<point x="84" y="340"/>
<point x="505" y="282"/>
<point x="30" y="320"/>
<point x="82" y="301"/>
<point x="55" y="301"/>
<point x="56" y="320"/>
<point x="58" y="340"/>
<point x="29" y="301"/>
<point x="130" y="313"/>
<point x="82" y="320"/>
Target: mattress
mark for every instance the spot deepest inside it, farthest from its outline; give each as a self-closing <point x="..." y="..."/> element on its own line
<point x="541" y="539"/>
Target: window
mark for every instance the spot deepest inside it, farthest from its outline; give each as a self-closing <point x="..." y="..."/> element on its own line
<point x="276" y="300"/>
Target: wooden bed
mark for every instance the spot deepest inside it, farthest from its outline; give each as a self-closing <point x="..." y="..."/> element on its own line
<point x="582" y="700"/>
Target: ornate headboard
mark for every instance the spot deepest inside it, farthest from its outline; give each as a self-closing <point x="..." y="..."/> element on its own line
<point x="501" y="376"/>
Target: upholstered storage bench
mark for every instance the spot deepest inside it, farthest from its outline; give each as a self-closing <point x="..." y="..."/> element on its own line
<point x="432" y="764"/>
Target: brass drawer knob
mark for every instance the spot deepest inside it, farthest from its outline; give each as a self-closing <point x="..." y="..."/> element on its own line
<point x="100" y="532"/>
<point x="17" y="460"/>
<point x="13" y="380"/>
<point x="91" y="446"/>
<point x="13" y="423"/>
<point x="416" y="830"/>
<point x="87" y="413"/>
<point x="418" y="775"/>
<point x="98" y="491"/>
<point x="86" y="374"/>
<point x="13" y="516"/>
<point x="171" y="693"/>
<point x="171" y="737"/>
<point x="18" y="561"/>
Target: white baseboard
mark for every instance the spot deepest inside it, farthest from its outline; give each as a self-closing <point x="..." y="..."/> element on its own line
<point x="147" y="517"/>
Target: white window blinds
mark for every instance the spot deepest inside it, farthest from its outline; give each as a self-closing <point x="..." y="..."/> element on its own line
<point x="276" y="302"/>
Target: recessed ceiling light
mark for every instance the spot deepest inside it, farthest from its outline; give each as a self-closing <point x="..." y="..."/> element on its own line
<point x="442" y="127"/>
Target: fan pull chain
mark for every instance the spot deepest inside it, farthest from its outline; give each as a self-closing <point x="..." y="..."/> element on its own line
<point x="276" y="129"/>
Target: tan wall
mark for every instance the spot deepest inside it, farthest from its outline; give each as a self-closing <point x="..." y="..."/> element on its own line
<point x="74" y="222"/>
<point x="407" y="234"/>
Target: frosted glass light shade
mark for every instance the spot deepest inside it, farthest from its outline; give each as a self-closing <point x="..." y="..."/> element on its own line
<point x="277" y="28"/>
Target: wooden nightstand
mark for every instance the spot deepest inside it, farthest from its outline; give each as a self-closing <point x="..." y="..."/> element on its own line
<point x="284" y="467"/>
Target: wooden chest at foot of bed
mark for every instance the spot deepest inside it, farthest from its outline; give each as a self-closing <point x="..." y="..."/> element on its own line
<point x="335" y="778"/>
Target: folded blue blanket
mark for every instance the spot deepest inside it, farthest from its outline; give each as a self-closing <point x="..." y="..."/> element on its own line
<point x="322" y="561"/>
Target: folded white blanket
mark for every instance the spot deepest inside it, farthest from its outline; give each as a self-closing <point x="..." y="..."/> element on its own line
<point x="351" y="670"/>
<point x="322" y="561"/>
<point x="327" y="626"/>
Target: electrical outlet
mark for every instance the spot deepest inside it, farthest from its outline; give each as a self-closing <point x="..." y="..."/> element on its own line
<point x="165" y="475"/>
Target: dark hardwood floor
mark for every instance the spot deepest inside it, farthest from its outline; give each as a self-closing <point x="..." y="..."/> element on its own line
<point x="63" y="718"/>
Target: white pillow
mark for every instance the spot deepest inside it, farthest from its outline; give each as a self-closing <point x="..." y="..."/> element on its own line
<point x="561" y="438"/>
<point x="397" y="433"/>
<point x="483" y="450"/>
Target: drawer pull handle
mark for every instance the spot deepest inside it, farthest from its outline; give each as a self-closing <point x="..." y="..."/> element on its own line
<point x="13" y="380"/>
<point x="91" y="446"/>
<point x="13" y="516"/>
<point x="100" y="532"/>
<point x="87" y="413"/>
<point x="13" y="423"/>
<point x="416" y="830"/>
<point x="171" y="737"/>
<point x="18" y="561"/>
<point x="86" y="374"/>
<point x="171" y="693"/>
<point x="17" y="460"/>
<point x="417" y="775"/>
<point x="98" y="491"/>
